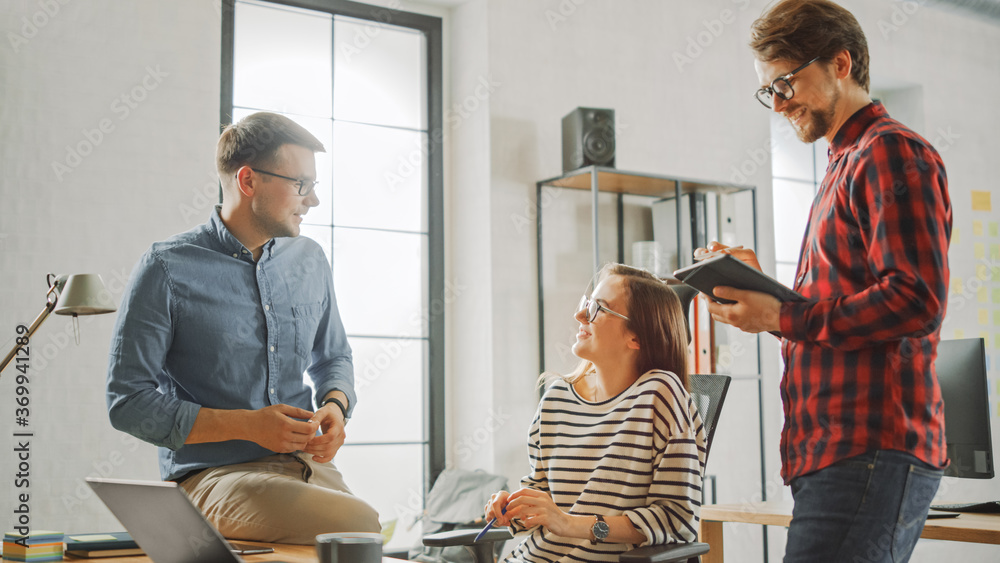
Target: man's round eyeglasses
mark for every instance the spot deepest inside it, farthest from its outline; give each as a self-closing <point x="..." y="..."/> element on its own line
<point x="781" y="87"/>
<point x="592" y="307"/>
<point x="305" y="187"/>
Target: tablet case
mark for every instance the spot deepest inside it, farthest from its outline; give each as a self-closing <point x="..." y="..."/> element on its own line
<point x="728" y="271"/>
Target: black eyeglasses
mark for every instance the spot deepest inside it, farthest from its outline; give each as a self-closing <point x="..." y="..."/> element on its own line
<point x="593" y="307"/>
<point x="305" y="187"/>
<point x="780" y="86"/>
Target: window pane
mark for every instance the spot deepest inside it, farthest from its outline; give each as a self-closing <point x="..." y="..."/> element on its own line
<point x="792" y="201"/>
<point x="282" y="60"/>
<point x="322" y="235"/>
<point x="389" y="378"/>
<point x="791" y="158"/>
<point x="785" y="273"/>
<point x="380" y="180"/>
<point x="321" y="129"/>
<point x="381" y="282"/>
<point x="390" y="479"/>
<point x="380" y="74"/>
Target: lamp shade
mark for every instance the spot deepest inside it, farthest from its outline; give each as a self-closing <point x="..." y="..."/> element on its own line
<point x="84" y="294"/>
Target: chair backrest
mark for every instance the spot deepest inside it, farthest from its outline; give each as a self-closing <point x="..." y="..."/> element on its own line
<point x="709" y="392"/>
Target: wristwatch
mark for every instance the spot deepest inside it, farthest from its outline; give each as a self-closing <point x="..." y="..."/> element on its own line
<point x="600" y="530"/>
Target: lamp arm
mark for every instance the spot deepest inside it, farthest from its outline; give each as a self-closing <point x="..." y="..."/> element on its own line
<point x="50" y="303"/>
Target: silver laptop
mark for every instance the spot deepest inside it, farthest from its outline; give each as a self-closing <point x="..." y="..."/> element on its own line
<point x="163" y="521"/>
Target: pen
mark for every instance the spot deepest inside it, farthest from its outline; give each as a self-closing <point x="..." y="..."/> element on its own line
<point x="714" y="253"/>
<point x="489" y="525"/>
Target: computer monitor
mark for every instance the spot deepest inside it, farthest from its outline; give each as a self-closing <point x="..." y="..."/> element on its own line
<point x="961" y="371"/>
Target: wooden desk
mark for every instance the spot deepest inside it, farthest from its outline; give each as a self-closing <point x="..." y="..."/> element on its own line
<point x="282" y="552"/>
<point x="974" y="528"/>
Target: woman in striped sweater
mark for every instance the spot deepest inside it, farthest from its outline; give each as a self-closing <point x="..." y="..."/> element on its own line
<point x="617" y="448"/>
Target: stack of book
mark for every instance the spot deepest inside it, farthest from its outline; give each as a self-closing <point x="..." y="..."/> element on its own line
<point x="114" y="544"/>
<point x="41" y="545"/>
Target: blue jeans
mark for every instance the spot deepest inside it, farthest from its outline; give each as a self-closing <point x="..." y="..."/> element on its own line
<point x="866" y="509"/>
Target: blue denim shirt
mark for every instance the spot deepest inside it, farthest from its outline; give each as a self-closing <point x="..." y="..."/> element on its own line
<point x="201" y="324"/>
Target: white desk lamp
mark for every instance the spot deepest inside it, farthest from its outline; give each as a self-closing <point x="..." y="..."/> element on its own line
<point x="79" y="294"/>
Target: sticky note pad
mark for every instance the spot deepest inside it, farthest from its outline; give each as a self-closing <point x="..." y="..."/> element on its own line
<point x="996" y="319"/>
<point x="996" y="344"/>
<point x="995" y="251"/>
<point x="94" y="537"/>
<point x="956" y="285"/>
<point x="977" y="228"/>
<point x="994" y="229"/>
<point x="959" y="333"/>
<point x="981" y="201"/>
<point x="978" y="251"/>
<point x="955" y="239"/>
<point x="983" y="295"/>
<point x="984" y="317"/>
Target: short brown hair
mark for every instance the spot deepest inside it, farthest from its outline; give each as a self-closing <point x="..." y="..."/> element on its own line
<point x="801" y="30"/>
<point x="255" y="140"/>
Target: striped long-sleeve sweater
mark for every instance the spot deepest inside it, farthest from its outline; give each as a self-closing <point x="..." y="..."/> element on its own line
<point x="640" y="453"/>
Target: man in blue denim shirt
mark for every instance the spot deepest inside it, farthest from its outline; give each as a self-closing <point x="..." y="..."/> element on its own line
<point x="218" y="325"/>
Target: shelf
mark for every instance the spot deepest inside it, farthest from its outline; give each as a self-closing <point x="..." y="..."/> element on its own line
<point x="636" y="183"/>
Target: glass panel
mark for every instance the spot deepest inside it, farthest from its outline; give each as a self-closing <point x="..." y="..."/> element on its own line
<point x="785" y="273"/>
<point x="381" y="74"/>
<point x="321" y="129"/>
<point x="390" y="478"/>
<point x="820" y="148"/>
<point x="380" y="180"/>
<point x="321" y="234"/>
<point x="282" y="60"/>
<point x="791" y="158"/>
<point x="792" y="201"/>
<point x="381" y="278"/>
<point x="389" y="378"/>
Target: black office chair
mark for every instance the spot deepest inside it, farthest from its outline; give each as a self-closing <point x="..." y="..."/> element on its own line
<point x="709" y="393"/>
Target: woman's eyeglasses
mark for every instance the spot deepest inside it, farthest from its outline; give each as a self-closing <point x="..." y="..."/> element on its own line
<point x="592" y="307"/>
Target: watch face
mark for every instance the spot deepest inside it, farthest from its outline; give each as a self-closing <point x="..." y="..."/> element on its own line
<point x="601" y="529"/>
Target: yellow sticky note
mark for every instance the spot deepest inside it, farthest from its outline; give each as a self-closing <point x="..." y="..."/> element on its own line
<point x="983" y="272"/>
<point x="996" y="344"/>
<point x="978" y="251"/>
<point x="959" y="333"/>
<point x="995" y="251"/>
<point x="996" y="274"/>
<point x="984" y="317"/>
<point x="981" y="201"/>
<point x="996" y="297"/>
<point x="983" y="295"/>
<point x="977" y="228"/>
<point x="994" y="229"/>
<point x="956" y="285"/>
<point x="996" y="320"/>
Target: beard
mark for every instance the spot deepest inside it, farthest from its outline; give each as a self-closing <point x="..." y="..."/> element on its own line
<point x="817" y="122"/>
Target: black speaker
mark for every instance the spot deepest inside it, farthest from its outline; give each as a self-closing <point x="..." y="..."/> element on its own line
<point x="588" y="137"/>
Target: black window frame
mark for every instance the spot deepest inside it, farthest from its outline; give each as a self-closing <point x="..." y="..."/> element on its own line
<point x="431" y="27"/>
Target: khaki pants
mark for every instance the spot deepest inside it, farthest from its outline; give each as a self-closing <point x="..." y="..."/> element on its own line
<point x="284" y="498"/>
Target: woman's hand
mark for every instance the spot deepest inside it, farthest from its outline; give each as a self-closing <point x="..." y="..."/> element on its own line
<point x="535" y="508"/>
<point x="495" y="508"/>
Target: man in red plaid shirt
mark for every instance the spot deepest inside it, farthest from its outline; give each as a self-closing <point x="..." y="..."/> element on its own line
<point x="863" y="442"/>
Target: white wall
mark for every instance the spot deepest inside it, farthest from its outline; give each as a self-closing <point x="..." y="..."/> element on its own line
<point x="680" y="78"/>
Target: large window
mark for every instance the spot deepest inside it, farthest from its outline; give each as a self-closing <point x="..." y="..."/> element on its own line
<point x="366" y="82"/>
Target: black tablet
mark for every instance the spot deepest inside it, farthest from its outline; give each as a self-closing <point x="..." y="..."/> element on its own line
<point x="728" y="271"/>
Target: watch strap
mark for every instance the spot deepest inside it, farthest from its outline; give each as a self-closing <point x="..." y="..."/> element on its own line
<point x="337" y="402"/>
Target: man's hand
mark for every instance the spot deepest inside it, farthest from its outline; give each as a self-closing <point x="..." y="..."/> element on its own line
<point x="323" y="447"/>
<point x="753" y="311"/>
<point x="276" y="428"/>
<point x="745" y="255"/>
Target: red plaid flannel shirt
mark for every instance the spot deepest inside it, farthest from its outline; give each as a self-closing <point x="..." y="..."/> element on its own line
<point x="859" y="355"/>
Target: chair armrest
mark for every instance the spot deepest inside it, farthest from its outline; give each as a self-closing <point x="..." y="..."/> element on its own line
<point x="465" y="537"/>
<point x="664" y="553"/>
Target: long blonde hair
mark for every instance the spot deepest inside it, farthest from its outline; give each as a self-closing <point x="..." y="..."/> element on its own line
<point x="655" y="318"/>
